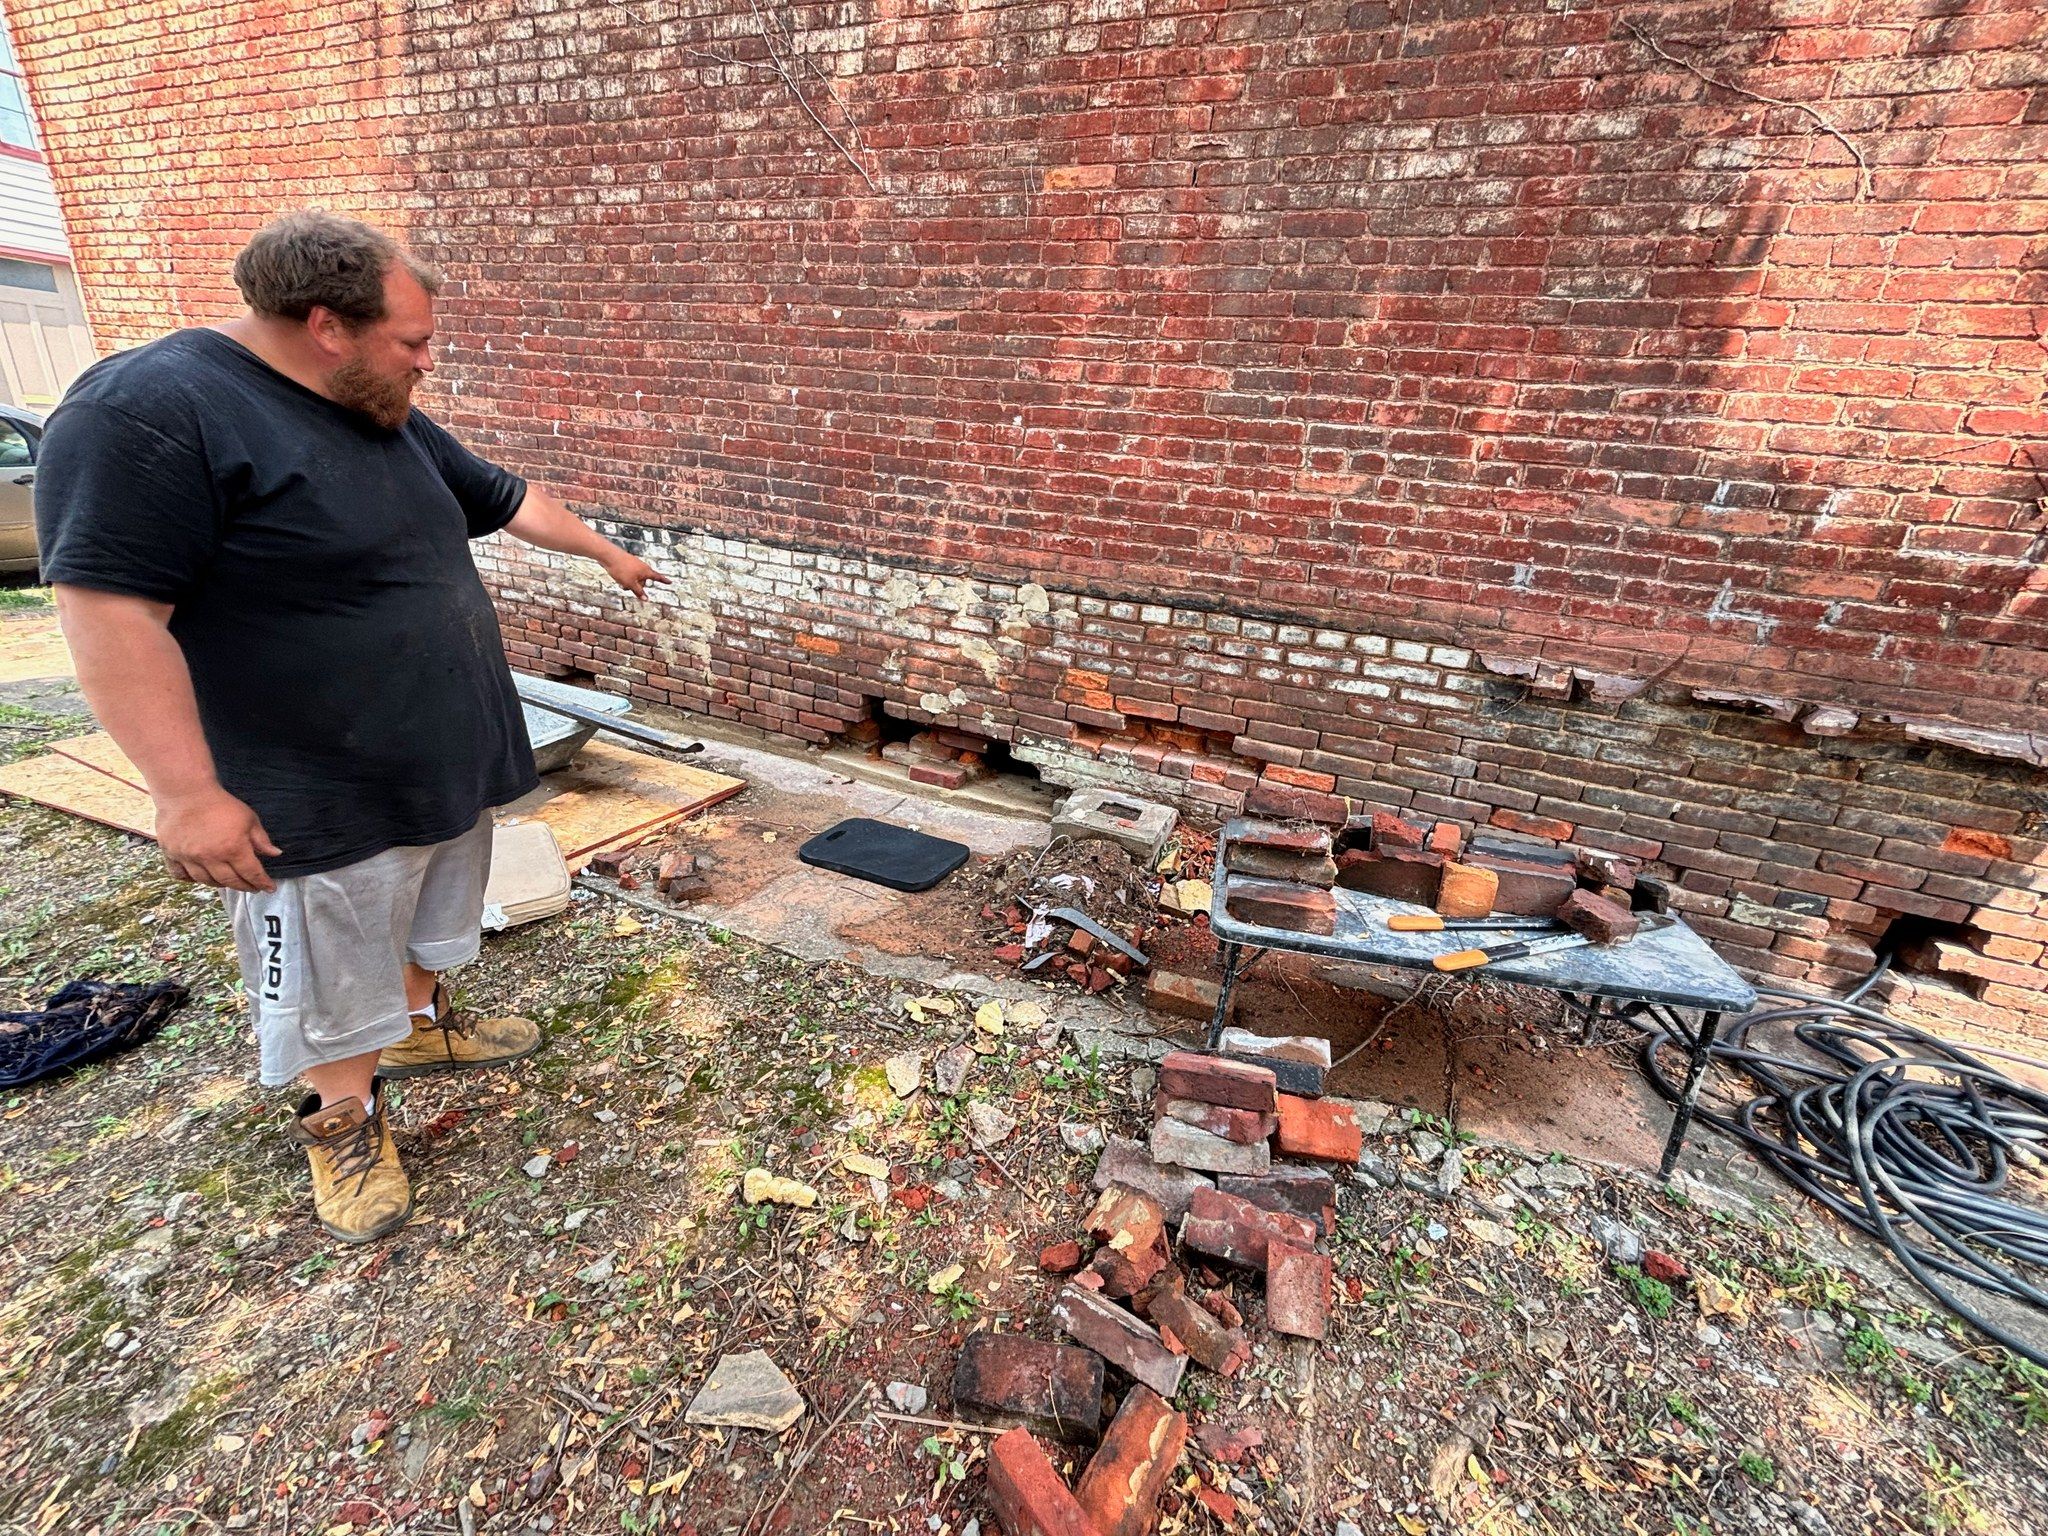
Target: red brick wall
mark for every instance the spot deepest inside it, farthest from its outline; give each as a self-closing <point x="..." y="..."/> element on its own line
<point x="1464" y="326"/>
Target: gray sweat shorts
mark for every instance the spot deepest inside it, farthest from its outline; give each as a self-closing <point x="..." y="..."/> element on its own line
<point x="323" y="955"/>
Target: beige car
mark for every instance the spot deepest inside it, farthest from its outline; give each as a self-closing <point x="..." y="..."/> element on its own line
<point x="21" y="440"/>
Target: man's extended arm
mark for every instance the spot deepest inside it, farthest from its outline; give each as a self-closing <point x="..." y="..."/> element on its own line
<point x="543" y="521"/>
<point x="134" y="676"/>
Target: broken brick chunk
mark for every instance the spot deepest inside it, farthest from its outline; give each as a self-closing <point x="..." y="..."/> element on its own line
<point x="1323" y="1130"/>
<point x="1602" y="921"/>
<point x="1119" y="1491"/>
<point x="1060" y="1258"/>
<point x="1190" y="997"/>
<point x="1029" y="1496"/>
<point x="1210" y="1340"/>
<point x="1659" y="1265"/>
<point x="1126" y="1219"/>
<point x="1446" y="839"/>
<point x="1124" y="1273"/>
<point x="1233" y="1229"/>
<point x="1242" y="1125"/>
<point x="1133" y="1347"/>
<point x="944" y="775"/>
<point x="1210" y="1079"/>
<point x="1467" y="890"/>
<point x="609" y="862"/>
<point x="1598" y="868"/>
<point x="1298" y="1290"/>
<point x="1007" y="1378"/>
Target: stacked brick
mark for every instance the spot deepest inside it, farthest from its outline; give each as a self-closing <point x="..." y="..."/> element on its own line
<point x="1192" y="412"/>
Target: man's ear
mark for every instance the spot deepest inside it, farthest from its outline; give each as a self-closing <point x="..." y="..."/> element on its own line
<point x="333" y="335"/>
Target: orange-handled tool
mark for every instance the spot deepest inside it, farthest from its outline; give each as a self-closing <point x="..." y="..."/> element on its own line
<point x="1470" y="959"/>
<point x="1429" y="922"/>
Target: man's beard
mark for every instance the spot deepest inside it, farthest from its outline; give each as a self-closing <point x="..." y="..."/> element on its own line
<point x="385" y="400"/>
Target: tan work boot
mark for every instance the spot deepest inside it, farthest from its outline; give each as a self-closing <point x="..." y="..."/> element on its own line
<point x="359" y="1187"/>
<point x="456" y="1042"/>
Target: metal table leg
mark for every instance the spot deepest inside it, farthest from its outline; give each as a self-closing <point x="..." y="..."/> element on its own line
<point x="1232" y="953"/>
<point x="1701" y="1047"/>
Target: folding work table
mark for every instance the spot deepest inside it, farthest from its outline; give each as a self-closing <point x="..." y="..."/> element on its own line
<point x="1661" y="974"/>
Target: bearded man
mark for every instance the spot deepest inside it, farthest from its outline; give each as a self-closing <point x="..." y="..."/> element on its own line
<point x="261" y="561"/>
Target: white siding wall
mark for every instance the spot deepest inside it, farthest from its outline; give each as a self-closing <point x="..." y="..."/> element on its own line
<point x="29" y="220"/>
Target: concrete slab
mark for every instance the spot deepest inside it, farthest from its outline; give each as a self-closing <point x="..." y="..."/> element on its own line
<point x="1141" y="827"/>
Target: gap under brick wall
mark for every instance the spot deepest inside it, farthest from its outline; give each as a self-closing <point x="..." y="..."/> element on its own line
<point x="1796" y="854"/>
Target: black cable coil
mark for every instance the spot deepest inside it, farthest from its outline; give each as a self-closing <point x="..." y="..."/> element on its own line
<point x="1904" y="1136"/>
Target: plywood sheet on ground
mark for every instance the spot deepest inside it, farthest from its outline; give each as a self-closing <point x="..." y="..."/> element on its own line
<point x="69" y="785"/>
<point x="98" y="751"/>
<point x="610" y="795"/>
<point x="32" y="647"/>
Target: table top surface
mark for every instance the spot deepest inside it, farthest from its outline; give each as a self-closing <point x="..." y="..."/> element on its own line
<point x="1672" y="965"/>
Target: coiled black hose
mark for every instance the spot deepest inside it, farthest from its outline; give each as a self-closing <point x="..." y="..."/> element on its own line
<point x="1906" y="1137"/>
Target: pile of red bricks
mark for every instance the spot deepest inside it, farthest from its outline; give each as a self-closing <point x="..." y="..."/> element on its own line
<point x="1176" y="1226"/>
<point x="943" y="758"/>
<point x="1070" y="952"/>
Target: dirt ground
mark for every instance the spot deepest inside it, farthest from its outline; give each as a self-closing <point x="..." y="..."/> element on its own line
<point x="181" y="1349"/>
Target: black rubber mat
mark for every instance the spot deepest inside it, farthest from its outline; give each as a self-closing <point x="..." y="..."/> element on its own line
<point x="896" y="857"/>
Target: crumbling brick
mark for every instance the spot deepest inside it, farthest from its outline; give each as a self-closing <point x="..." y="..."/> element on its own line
<point x="1009" y="1378"/>
<point x="1127" y="1220"/>
<point x="1130" y="1345"/>
<point x="1397" y="834"/>
<point x="1309" y="1193"/>
<point x="1209" y="1340"/>
<point x="1312" y="1049"/>
<point x="1029" y="1497"/>
<point x="1120" y="1488"/>
<point x="1310" y="841"/>
<point x="1527" y="887"/>
<point x="1242" y="1125"/>
<point x="1297" y="1290"/>
<point x="1060" y="1258"/>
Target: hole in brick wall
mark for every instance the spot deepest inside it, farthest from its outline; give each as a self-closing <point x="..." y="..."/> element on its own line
<point x="575" y="677"/>
<point x="1915" y="943"/>
<point x="885" y="726"/>
<point x="949" y="757"/>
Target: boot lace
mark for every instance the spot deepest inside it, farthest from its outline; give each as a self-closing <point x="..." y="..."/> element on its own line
<point x="354" y="1152"/>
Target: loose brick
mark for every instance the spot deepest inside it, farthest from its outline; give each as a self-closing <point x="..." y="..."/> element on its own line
<point x="1297" y="1290"/>
<point x="1008" y="1378"/>
<point x="1601" y="920"/>
<point x="1127" y="1220"/>
<point x="1130" y="1164"/>
<point x="1187" y="1146"/>
<point x="1124" y="1341"/>
<point x="1311" y="1049"/>
<point x="1280" y="864"/>
<point x="1301" y="1078"/>
<point x="1243" y="1125"/>
<point x="1212" y="1079"/>
<point x="1309" y="1193"/>
<point x="1412" y="877"/>
<point x="1236" y="1231"/>
<point x="1276" y="904"/>
<point x="1187" y="997"/>
<point x="1467" y="890"/>
<point x="1526" y="887"/>
<point x="1324" y="1130"/>
<point x="1060" y="1258"/>
<point x="1285" y="801"/>
<point x="1277" y="837"/>
<point x="1120" y="1488"/>
<point x="1029" y="1497"/>
<point x="1209" y="1340"/>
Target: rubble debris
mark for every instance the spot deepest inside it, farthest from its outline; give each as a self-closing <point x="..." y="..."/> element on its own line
<point x="950" y="1069"/>
<point x="1297" y="1290"/>
<point x="988" y="1126"/>
<point x="1601" y="920"/>
<point x="1061" y="1258"/>
<point x="1278" y="904"/>
<point x="746" y="1391"/>
<point x="1120" y="1488"/>
<point x="1139" y="826"/>
<point x="1132" y="1346"/>
<point x="1241" y="1125"/>
<point x="1026" y="1490"/>
<point x="1467" y="890"/>
<point x="1322" y="1130"/>
<point x="1009" y="1379"/>
<point x="1126" y="1220"/>
<point x="680" y="876"/>
<point x="907" y="1396"/>
<point x="905" y="1072"/>
<point x="1598" y="868"/>
<point x="1188" y="997"/>
<point x="1231" y="1228"/>
<point x="1081" y="1139"/>
<point x="1229" y="1443"/>
<point x="1127" y="1163"/>
<point x="1210" y="1341"/>
<point x="1189" y="1146"/>
<point x="1213" y="1079"/>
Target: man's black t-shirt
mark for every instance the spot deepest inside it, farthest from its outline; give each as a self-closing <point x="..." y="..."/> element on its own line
<point x="351" y="679"/>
